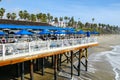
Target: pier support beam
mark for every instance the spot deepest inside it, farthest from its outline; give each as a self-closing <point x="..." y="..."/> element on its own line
<point x="79" y="62"/>
<point x="38" y="64"/>
<point x="43" y="65"/>
<point x="67" y="57"/>
<point x="86" y="61"/>
<point x="52" y="61"/>
<point x="55" y="67"/>
<point x="31" y="69"/>
<point x="17" y="69"/>
<point x="22" y="71"/>
<point x="59" y="62"/>
<point x="60" y="59"/>
<point x="71" y="64"/>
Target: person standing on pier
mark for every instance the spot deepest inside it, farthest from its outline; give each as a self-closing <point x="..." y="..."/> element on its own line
<point x="88" y="33"/>
<point x="3" y="40"/>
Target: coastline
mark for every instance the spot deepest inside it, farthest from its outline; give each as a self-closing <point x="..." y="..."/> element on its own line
<point x="103" y="69"/>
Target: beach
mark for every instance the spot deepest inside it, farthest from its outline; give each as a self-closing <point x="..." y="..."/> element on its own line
<point x="98" y="67"/>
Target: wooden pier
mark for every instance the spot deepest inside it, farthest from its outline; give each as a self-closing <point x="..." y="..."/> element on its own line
<point x="77" y="49"/>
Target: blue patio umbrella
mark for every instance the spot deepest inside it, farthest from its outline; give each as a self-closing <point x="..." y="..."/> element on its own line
<point x="23" y="32"/>
<point x="71" y="32"/>
<point x="60" y="32"/>
<point x="2" y="33"/>
<point x="45" y="31"/>
<point x="81" y="32"/>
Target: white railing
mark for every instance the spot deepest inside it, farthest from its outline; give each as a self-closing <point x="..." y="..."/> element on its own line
<point x="13" y="50"/>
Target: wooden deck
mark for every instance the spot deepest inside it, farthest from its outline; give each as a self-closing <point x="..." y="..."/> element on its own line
<point x="31" y="51"/>
<point x="45" y="54"/>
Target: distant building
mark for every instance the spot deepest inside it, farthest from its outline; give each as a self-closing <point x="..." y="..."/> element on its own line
<point x="59" y="24"/>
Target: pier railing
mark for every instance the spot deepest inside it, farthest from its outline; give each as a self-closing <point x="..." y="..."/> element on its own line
<point x="13" y="50"/>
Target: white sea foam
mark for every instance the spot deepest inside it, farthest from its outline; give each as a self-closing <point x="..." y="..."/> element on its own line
<point x="114" y="59"/>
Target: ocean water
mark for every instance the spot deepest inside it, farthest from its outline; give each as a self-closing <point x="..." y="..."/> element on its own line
<point x="112" y="57"/>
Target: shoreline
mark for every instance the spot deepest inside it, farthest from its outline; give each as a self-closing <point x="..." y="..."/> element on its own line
<point x="103" y="67"/>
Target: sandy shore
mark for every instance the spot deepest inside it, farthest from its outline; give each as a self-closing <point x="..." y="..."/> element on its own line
<point x="102" y="69"/>
<point x="105" y="41"/>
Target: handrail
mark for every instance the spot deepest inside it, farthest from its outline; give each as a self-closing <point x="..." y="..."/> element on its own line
<point x="12" y="50"/>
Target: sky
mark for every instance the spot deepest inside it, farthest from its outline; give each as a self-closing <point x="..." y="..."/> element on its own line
<point x="103" y="11"/>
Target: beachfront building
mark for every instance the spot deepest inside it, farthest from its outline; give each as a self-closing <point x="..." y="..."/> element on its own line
<point x="60" y="24"/>
<point x="35" y="42"/>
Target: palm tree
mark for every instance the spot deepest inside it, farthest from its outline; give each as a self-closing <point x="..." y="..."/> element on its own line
<point x="72" y="21"/>
<point x="2" y="11"/>
<point x="8" y="15"/>
<point x="29" y="17"/>
<point x="87" y="25"/>
<point x="48" y="17"/>
<point x="25" y="14"/>
<point x="66" y="18"/>
<point x="75" y="24"/>
<point x="56" y="20"/>
<point x="38" y="17"/>
<point x="13" y="16"/>
<point x="51" y="18"/>
<point x="92" y="25"/>
<point x="93" y="19"/>
<point x="21" y="14"/>
<point x="61" y="19"/>
<point x="33" y="17"/>
<point x="44" y="18"/>
<point x="80" y="25"/>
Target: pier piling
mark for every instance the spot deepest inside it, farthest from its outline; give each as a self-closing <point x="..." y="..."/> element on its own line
<point x="31" y="69"/>
<point x="22" y="71"/>
<point x="79" y="62"/>
<point x="43" y="64"/>
<point x="71" y="64"/>
<point x="55" y="67"/>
